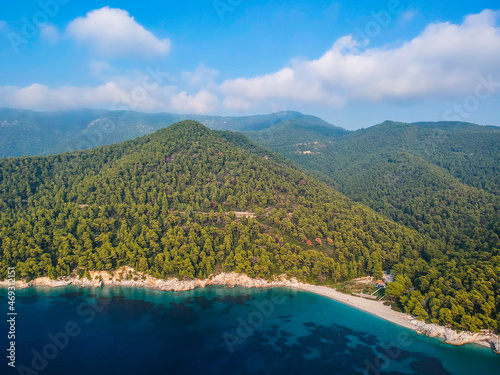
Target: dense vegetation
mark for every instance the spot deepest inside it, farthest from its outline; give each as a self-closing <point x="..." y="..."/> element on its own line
<point x="162" y="204"/>
<point x="441" y="179"/>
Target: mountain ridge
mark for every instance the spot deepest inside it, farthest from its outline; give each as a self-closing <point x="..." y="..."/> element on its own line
<point x="59" y="131"/>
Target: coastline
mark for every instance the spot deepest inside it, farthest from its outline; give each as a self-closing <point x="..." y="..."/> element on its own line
<point x="370" y="306"/>
<point x="449" y="335"/>
<point x="127" y="276"/>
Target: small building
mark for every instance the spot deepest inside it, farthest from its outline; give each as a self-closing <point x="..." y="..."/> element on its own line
<point x="388" y="277"/>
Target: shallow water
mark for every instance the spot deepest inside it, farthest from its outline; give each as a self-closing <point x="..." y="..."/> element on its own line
<point x="218" y="330"/>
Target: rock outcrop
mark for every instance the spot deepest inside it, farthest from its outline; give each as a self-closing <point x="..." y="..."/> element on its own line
<point x="450" y="336"/>
<point x="19" y="284"/>
<point x="127" y="276"/>
<point x="45" y="281"/>
<point x="495" y="346"/>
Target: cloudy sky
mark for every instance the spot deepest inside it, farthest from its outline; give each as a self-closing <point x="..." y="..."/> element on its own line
<point x="352" y="63"/>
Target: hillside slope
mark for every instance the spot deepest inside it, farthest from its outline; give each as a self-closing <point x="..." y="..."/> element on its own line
<point x="165" y="204"/>
<point x="158" y="203"/>
<point x="443" y="183"/>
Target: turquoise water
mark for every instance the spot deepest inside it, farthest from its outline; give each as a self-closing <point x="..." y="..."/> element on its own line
<point x="219" y="330"/>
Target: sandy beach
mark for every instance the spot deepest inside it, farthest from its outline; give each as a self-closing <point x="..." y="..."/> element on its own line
<point x="369" y="306"/>
<point x="450" y="336"/>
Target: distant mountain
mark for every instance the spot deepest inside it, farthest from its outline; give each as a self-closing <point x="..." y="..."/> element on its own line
<point x="24" y="132"/>
<point x="453" y="126"/>
<point x="466" y="151"/>
<point x="248" y="123"/>
<point x="302" y="129"/>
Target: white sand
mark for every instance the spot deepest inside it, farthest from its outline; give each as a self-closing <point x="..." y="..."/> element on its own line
<point x="369" y="306"/>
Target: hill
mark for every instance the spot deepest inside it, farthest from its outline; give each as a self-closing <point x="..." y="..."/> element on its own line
<point x="470" y="156"/>
<point x="454" y="126"/>
<point x="303" y="129"/>
<point x="24" y="132"/>
<point x="407" y="172"/>
<point x="442" y="183"/>
<point x="162" y="203"/>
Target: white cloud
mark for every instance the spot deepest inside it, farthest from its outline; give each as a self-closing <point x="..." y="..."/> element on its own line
<point x="141" y="95"/>
<point x="238" y="104"/>
<point x="444" y="61"/>
<point x="49" y="33"/>
<point x="201" y="77"/>
<point x="149" y="90"/>
<point x="113" y="32"/>
<point x="39" y="96"/>
<point x="201" y="102"/>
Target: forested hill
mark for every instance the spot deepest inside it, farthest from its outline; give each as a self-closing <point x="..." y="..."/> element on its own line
<point x="457" y="126"/>
<point x="467" y="152"/>
<point x="290" y="132"/>
<point x="162" y="203"/>
<point x="443" y="183"/>
<point x="443" y="180"/>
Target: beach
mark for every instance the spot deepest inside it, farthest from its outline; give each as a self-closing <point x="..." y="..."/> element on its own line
<point x="129" y="277"/>
<point x="450" y="336"/>
<point x="369" y="306"/>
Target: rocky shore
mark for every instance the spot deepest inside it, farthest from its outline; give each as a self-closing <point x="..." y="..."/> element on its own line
<point x="127" y="276"/>
<point x="450" y="336"/>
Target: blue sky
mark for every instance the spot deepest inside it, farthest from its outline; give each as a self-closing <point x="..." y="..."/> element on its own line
<point x="353" y="63"/>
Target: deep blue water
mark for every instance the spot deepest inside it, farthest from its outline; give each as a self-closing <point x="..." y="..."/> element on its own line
<point x="218" y="330"/>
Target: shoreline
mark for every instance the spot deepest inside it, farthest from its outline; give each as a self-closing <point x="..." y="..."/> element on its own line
<point x="450" y="336"/>
<point x="369" y="306"/>
<point x="127" y="276"/>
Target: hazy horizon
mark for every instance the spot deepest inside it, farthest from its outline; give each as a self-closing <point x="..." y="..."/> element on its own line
<point x="349" y="64"/>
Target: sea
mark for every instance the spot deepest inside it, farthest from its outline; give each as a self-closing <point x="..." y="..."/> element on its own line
<point x="216" y="330"/>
